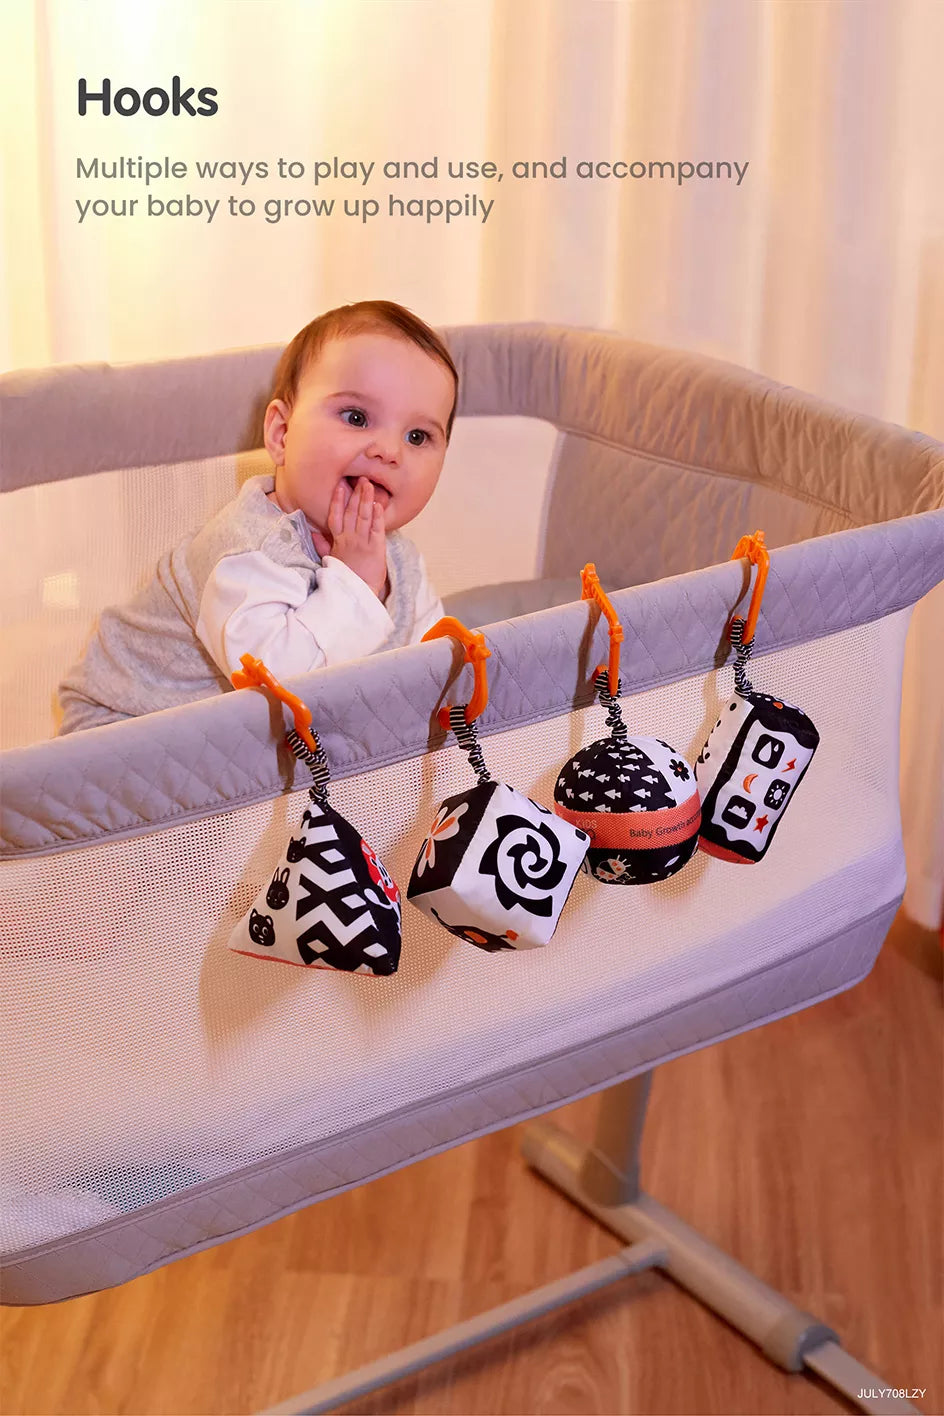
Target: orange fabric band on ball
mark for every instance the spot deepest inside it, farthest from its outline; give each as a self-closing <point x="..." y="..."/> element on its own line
<point x="637" y="830"/>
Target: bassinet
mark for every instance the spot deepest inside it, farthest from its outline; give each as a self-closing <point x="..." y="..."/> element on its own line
<point x="163" y="1094"/>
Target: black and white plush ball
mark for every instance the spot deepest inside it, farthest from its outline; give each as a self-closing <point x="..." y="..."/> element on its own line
<point x="637" y="799"/>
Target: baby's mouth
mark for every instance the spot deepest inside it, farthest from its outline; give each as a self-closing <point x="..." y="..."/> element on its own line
<point x="381" y="493"/>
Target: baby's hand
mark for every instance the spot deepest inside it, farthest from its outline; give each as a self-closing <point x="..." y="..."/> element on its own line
<point x="358" y="535"/>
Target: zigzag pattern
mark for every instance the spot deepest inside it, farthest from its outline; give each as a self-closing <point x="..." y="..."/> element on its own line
<point x="338" y="927"/>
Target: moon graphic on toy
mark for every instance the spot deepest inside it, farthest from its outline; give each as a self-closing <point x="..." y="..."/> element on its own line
<point x="751" y="777"/>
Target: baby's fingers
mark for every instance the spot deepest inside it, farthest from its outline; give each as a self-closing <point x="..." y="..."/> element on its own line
<point x="377" y="528"/>
<point x="365" y="514"/>
<point x="336" y="510"/>
<point x="357" y="517"/>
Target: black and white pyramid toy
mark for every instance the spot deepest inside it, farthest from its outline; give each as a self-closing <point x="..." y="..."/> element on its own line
<point x="495" y="868"/>
<point x="750" y="767"/>
<point x="636" y="798"/>
<point x="330" y="904"/>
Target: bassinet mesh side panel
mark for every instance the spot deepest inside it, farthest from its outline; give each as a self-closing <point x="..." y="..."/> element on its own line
<point x="69" y="548"/>
<point x="144" y="1057"/>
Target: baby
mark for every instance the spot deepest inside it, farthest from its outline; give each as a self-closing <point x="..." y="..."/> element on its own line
<point x="306" y="568"/>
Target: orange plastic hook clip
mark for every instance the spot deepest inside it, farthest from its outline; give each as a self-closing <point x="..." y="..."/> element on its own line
<point x="755" y="548"/>
<point x="476" y="652"/>
<point x="591" y="589"/>
<point x="254" y="674"/>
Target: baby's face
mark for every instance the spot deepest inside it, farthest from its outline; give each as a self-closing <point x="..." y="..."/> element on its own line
<point x="370" y="405"/>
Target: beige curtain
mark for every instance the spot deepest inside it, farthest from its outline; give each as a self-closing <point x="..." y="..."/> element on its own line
<point x="823" y="268"/>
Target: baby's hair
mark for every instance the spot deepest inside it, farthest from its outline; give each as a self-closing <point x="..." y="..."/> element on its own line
<point x="365" y="317"/>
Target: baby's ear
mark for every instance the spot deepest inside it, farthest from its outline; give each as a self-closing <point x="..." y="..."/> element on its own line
<point x="274" y="426"/>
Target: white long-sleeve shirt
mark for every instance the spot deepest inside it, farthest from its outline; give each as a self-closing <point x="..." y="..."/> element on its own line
<point x="248" y="582"/>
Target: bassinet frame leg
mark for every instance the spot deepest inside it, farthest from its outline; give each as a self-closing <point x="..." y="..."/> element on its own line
<point x="461" y="1336"/>
<point x="603" y="1179"/>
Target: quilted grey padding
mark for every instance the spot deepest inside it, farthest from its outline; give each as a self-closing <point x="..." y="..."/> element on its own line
<point x="199" y="1217"/>
<point x="668" y="406"/>
<point x="199" y="759"/>
<point x="96" y="417"/>
<point x="660" y="518"/>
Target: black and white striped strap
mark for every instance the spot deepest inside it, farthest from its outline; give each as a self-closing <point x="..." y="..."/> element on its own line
<point x="469" y="742"/>
<point x="614" y="714"/>
<point x="316" y="762"/>
<point x="742" y="683"/>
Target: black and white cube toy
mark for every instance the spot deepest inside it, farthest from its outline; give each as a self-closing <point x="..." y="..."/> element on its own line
<point x="496" y="868"/>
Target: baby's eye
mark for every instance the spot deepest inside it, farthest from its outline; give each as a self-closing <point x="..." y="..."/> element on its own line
<point x="417" y="437"/>
<point x="354" y="417"/>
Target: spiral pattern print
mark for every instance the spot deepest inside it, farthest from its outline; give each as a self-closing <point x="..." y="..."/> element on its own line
<point x="524" y="861"/>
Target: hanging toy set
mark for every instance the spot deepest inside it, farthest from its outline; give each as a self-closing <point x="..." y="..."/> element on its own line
<point x="496" y="868"/>
<point x="758" y="751"/>
<point x="330" y="903"/>
<point x="636" y="798"/>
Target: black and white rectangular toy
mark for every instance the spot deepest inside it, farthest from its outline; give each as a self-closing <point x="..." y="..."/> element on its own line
<point x="748" y="773"/>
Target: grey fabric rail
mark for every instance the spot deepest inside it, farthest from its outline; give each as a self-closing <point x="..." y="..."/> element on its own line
<point x="683" y="408"/>
<point x="161" y="770"/>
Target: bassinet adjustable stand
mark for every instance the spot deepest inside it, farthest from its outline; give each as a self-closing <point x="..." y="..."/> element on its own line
<point x="604" y="1180"/>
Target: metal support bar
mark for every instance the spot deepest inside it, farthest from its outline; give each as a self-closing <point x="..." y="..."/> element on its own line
<point x="610" y="1173"/>
<point x="395" y="1366"/>
<point x="835" y="1366"/>
<point x="786" y="1334"/>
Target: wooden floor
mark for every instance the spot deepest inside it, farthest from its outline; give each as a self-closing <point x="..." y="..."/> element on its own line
<point x="811" y="1149"/>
